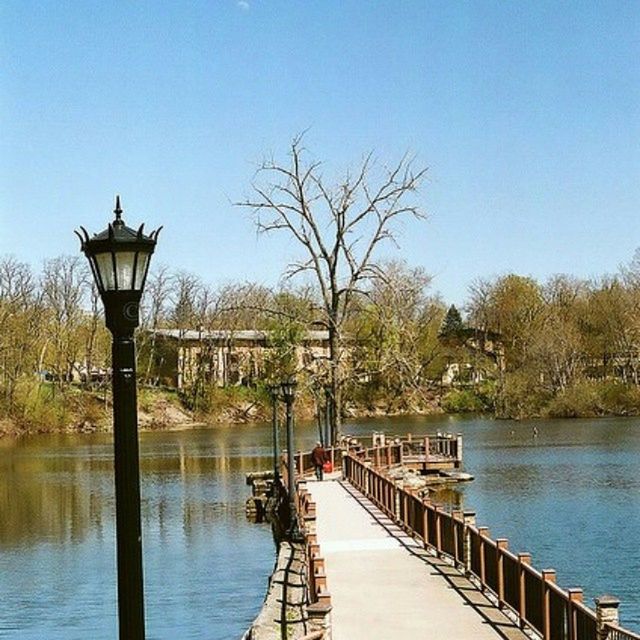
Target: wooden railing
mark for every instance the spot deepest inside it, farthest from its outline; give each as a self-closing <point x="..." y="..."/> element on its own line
<point x="532" y="595"/>
<point x="319" y="598"/>
<point x="433" y="447"/>
<point x="617" y="633"/>
<point x="393" y="452"/>
<point x="436" y="447"/>
<point x="304" y="463"/>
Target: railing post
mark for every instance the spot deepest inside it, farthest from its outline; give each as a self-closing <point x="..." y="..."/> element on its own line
<point x="459" y="450"/>
<point x="426" y="449"/>
<point x="469" y="518"/>
<point x="456" y="515"/>
<point x="548" y="575"/>
<point x="502" y="544"/>
<point x="376" y="457"/>
<point x="320" y="617"/>
<point x="606" y="613"/>
<point x="403" y="507"/>
<point x="437" y="511"/>
<point x="426" y="505"/>
<point x="484" y="533"/>
<point x="301" y="462"/>
<point x="523" y="559"/>
<point x="396" y="503"/>
<point x="389" y="455"/>
<point x="575" y="595"/>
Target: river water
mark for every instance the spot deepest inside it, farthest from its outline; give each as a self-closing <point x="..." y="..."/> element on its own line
<point x="570" y="496"/>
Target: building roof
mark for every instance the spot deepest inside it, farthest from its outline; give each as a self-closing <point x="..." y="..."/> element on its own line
<point x="254" y="335"/>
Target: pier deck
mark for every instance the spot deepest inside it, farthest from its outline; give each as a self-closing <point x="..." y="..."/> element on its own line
<point x="385" y="586"/>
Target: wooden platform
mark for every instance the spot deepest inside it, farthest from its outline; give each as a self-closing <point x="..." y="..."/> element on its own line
<point x="385" y="586"/>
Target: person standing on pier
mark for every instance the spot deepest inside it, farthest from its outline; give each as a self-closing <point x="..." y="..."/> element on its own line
<point x="318" y="457"/>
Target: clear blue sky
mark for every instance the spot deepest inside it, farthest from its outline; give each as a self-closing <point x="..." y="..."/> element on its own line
<point x="527" y="113"/>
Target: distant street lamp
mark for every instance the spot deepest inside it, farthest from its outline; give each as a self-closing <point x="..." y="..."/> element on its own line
<point x="328" y="438"/>
<point x="289" y="395"/>
<point x="119" y="259"/>
<point x="274" y="392"/>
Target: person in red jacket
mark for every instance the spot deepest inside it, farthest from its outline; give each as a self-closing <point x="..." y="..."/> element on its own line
<point x="318" y="457"/>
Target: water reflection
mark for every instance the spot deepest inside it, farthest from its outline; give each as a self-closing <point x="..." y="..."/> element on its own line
<point x="205" y="567"/>
<point x="570" y="496"/>
<point x="51" y="491"/>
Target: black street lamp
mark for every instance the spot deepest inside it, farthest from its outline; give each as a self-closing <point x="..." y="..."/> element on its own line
<point x="327" y="416"/>
<point x="289" y="395"/>
<point x="119" y="259"/>
<point x="274" y="392"/>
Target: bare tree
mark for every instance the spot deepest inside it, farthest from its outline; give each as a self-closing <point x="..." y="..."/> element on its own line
<point x="65" y="284"/>
<point x="338" y="228"/>
<point x="398" y="330"/>
<point x="154" y="311"/>
<point x="21" y="323"/>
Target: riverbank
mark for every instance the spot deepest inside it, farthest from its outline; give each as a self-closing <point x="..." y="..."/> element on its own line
<point x="49" y="408"/>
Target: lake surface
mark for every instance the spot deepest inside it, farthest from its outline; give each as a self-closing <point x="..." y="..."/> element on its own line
<point x="570" y="496"/>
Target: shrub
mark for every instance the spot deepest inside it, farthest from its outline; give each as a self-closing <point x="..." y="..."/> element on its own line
<point x="590" y="398"/>
<point x="620" y="399"/>
<point x="522" y="395"/>
<point x="581" y="400"/>
<point x="39" y="405"/>
<point x="463" y="401"/>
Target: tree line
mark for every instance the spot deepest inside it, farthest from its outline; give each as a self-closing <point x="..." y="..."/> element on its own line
<point x="571" y="346"/>
<point x="520" y="347"/>
<point x="53" y="341"/>
<point x="566" y="346"/>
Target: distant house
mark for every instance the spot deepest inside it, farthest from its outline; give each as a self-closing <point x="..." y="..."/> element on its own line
<point x="225" y="357"/>
<point x="461" y="374"/>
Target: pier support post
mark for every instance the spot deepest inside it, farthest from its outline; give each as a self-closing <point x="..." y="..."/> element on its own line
<point x="469" y="518"/>
<point x="606" y="613"/>
<point x="457" y="515"/>
<point x="319" y="615"/>
<point x="437" y="510"/>
<point x="523" y="559"/>
<point x="426" y="506"/>
<point x="502" y="544"/>
<point x="575" y="595"/>
<point x="548" y="575"/>
<point x="484" y="533"/>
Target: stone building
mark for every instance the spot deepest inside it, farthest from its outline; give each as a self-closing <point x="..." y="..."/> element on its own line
<point x="225" y="357"/>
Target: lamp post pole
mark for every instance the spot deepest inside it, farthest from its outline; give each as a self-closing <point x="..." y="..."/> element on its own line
<point x="327" y="416"/>
<point x="119" y="259"/>
<point x="127" y="482"/>
<point x="288" y="392"/>
<point x="273" y="390"/>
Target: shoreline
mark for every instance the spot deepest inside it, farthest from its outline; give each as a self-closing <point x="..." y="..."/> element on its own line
<point x="8" y="430"/>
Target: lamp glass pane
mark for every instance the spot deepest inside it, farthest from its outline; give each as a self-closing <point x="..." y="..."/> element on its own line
<point x="124" y="270"/>
<point x="141" y="269"/>
<point x="104" y="263"/>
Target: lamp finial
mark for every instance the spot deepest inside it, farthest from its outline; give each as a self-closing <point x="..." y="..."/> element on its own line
<point x="118" y="212"/>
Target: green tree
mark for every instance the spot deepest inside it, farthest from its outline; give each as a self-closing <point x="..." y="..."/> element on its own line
<point x="452" y="325"/>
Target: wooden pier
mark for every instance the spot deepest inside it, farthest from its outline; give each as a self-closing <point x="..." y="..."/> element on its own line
<point x="384" y="563"/>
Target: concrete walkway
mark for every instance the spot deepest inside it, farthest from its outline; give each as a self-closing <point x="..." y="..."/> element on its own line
<point x="384" y="586"/>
